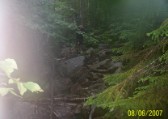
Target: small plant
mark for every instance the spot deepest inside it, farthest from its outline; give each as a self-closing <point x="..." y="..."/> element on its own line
<point x="7" y="67"/>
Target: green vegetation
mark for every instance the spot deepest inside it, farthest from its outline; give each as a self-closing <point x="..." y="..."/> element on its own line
<point x="7" y="82"/>
<point x="136" y="31"/>
<point x="142" y="86"/>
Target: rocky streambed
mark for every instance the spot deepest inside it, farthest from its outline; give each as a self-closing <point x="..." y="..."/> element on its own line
<point x="73" y="80"/>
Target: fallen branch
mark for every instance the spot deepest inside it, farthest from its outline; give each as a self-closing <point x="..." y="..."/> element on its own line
<point x="58" y="99"/>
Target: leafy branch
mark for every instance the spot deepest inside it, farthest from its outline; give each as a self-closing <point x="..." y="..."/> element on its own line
<point x="7" y="67"/>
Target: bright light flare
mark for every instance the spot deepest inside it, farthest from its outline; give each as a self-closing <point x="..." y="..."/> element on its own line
<point x="3" y="11"/>
<point x="2" y="47"/>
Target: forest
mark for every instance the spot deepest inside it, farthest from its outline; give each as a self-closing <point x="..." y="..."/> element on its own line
<point x="83" y="59"/>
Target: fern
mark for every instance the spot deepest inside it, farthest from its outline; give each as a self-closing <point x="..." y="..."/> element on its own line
<point x="137" y="88"/>
<point x="160" y="33"/>
<point x="142" y="86"/>
<point x="114" y="79"/>
<point x="164" y="57"/>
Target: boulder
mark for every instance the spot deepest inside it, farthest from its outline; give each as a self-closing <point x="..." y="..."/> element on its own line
<point x="70" y="65"/>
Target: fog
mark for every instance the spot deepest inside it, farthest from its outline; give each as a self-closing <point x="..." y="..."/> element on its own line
<point x="22" y="43"/>
<point x="146" y="8"/>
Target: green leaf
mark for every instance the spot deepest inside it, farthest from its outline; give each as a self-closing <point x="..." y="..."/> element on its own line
<point x="21" y="88"/>
<point x="33" y="87"/>
<point x="12" y="81"/>
<point x="148" y="34"/>
<point x="5" y="91"/>
<point x="8" y="66"/>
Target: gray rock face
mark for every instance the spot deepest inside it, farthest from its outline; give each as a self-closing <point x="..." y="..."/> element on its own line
<point x="70" y="65"/>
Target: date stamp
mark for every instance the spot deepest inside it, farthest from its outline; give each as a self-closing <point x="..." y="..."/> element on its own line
<point x="143" y="113"/>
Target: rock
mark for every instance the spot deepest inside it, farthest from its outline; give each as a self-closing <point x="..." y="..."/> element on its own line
<point x="106" y="66"/>
<point x="104" y="54"/>
<point x="95" y="76"/>
<point x="77" y="89"/>
<point x="117" y="64"/>
<point x="79" y="74"/>
<point x="101" y="65"/>
<point x="91" y="56"/>
<point x="70" y="65"/>
<point x="90" y="51"/>
<point x="115" y="67"/>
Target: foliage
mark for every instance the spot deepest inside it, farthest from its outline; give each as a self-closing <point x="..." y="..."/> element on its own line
<point x="121" y="21"/>
<point x="161" y="33"/>
<point x="114" y="79"/>
<point x="144" y="88"/>
<point x="53" y="18"/>
<point x="90" y="40"/>
<point x="123" y="25"/>
<point x="7" y="67"/>
<point x="141" y="86"/>
<point x="118" y="22"/>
